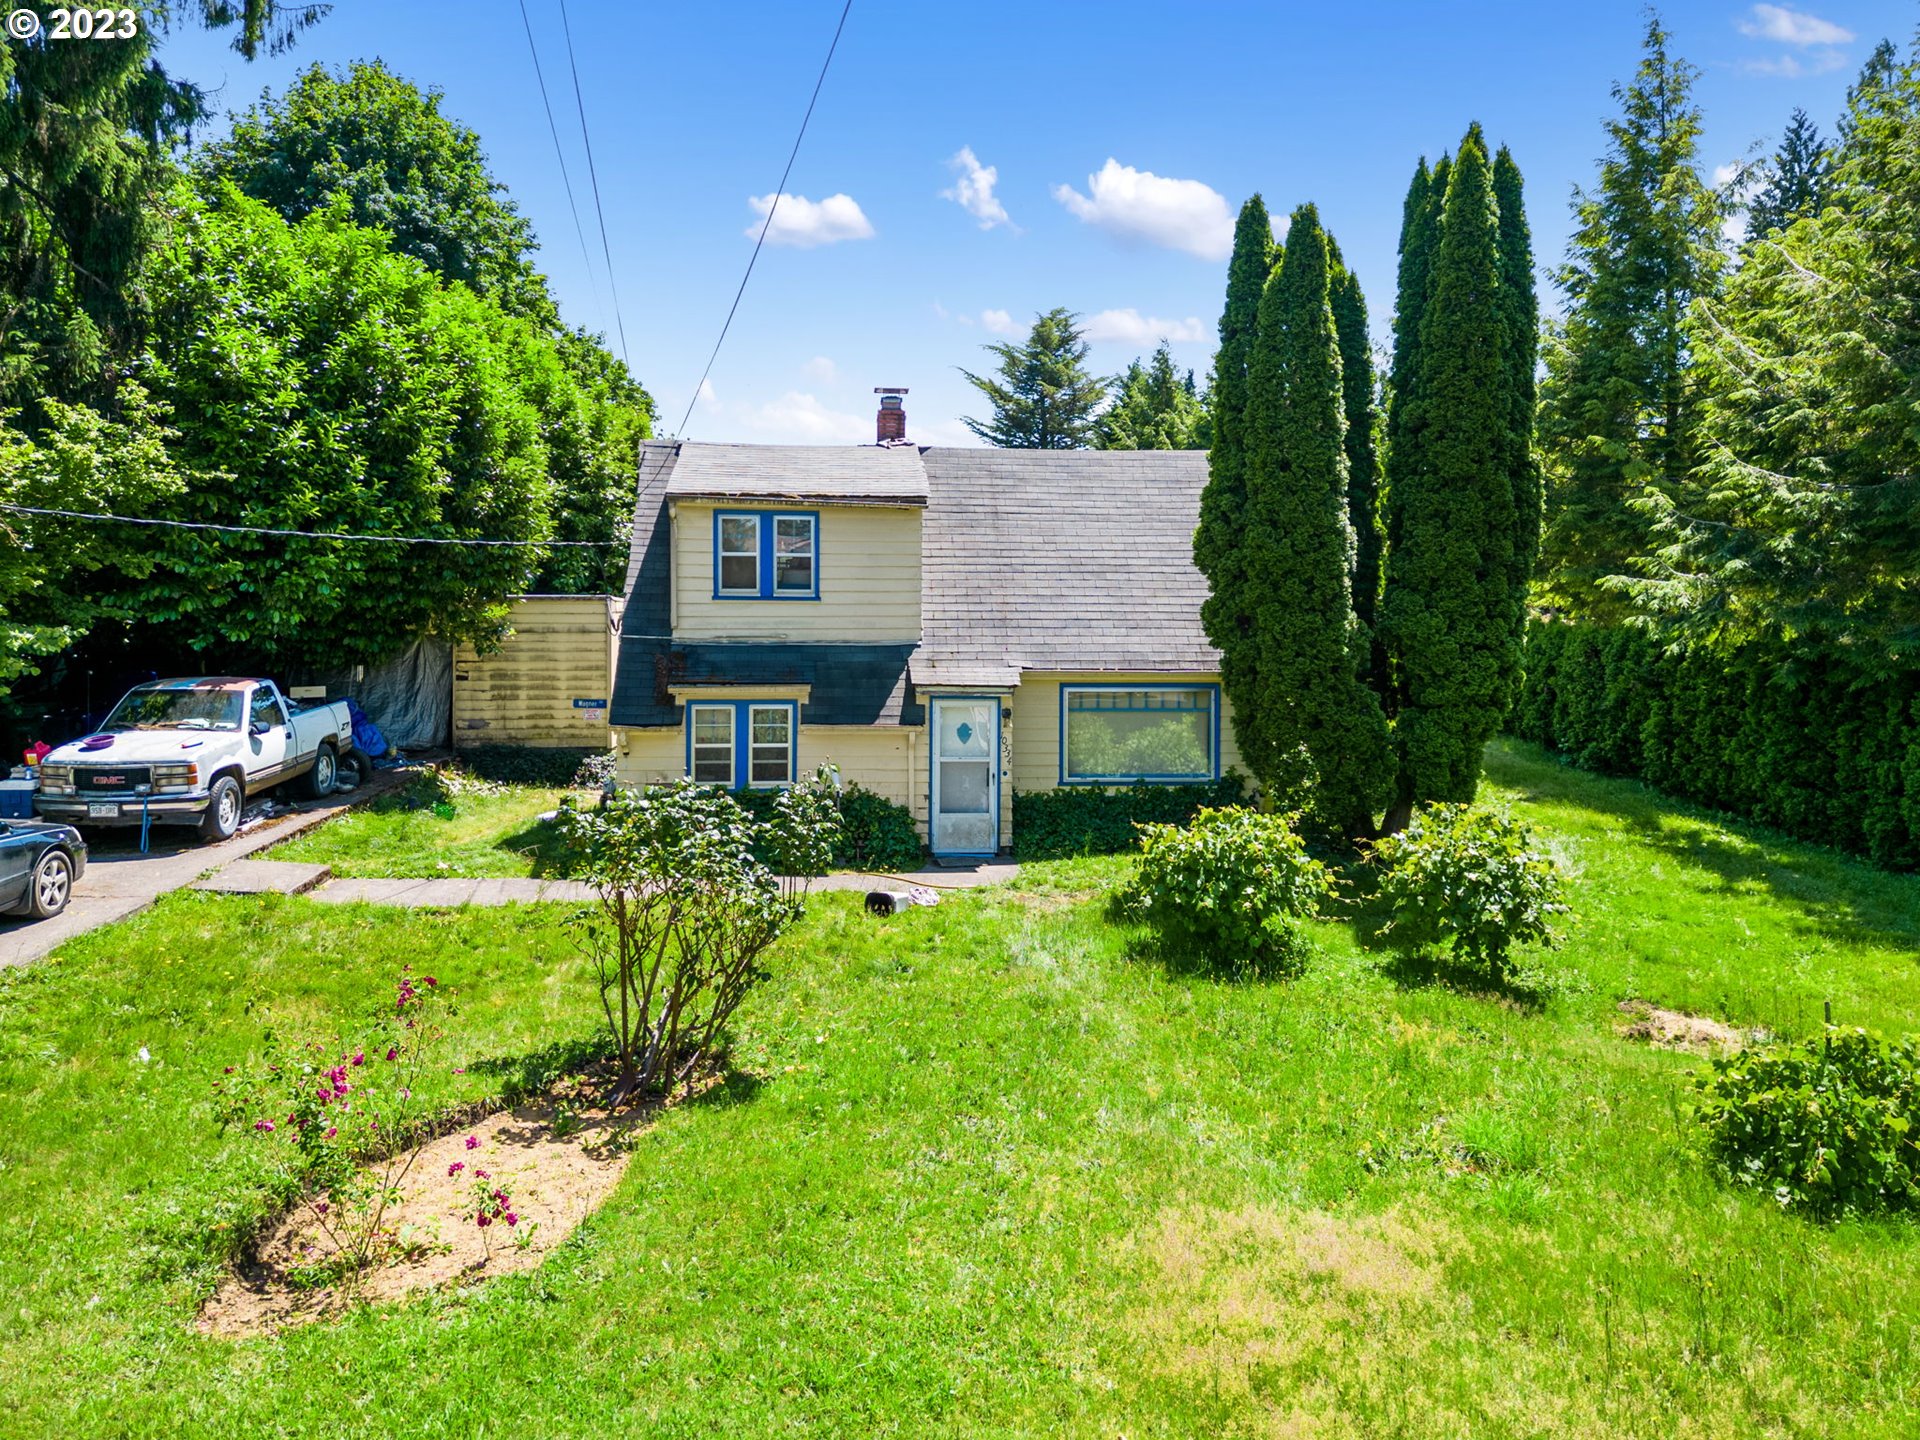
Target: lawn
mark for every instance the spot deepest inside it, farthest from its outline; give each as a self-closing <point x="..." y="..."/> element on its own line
<point x="980" y="1170"/>
<point x="475" y="830"/>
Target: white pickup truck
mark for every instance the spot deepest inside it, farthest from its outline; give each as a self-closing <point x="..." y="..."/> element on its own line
<point x="190" y="752"/>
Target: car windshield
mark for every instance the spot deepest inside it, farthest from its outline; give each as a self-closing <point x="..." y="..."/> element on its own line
<point x="177" y="710"/>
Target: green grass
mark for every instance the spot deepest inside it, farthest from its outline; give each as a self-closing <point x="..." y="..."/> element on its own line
<point x="980" y="1171"/>
<point x="492" y="831"/>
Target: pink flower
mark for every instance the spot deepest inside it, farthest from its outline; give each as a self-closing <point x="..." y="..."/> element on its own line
<point x="321" y="1206"/>
<point x="265" y="1125"/>
<point x="481" y="1175"/>
<point x="459" y="1069"/>
<point x="393" y="1052"/>
<point x="431" y="982"/>
<point x="482" y="1219"/>
<point x="359" y="1057"/>
<point x="406" y="1094"/>
<point x="331" y="1132"/>
<point x="473" y="1142"/>
<point x="229" y="1070"/>
<point x="511" y="1218"/>
<point x="456" y="1167"/>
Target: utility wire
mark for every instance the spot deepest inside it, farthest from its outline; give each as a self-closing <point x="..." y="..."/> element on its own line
<point x="560" y="154"/>
<point x="778" y="191"/>
<point x="605" y="251"/>
<point x="305" y="534"/>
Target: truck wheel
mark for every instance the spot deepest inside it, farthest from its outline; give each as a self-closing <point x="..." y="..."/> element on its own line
<point x="51" y="886"/>
<point x="326" y="770"/>
<point x="223" y="810"/>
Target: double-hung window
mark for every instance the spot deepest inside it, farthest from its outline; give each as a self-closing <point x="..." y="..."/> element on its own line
<point x="1119" y="734"/>
<point x="742" y="744"/>
<point x="766" y="555"/>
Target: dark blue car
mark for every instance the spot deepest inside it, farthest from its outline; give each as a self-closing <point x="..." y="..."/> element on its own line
<point x="39" y="863"/>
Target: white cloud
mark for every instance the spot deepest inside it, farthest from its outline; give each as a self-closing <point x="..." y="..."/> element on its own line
<point x="998" y="322"/>
<point x="799" y="417"/>
<point x="1131" y="327"/>
<point x="821" y="369"/>
<point x="1139" y="205"/>
<point x="1792" y="27"/>
<point x="804" y="223"/>
<point x="1791" y="67"/>
<point x="973" y="189"/>
<point x="708" y="396"/>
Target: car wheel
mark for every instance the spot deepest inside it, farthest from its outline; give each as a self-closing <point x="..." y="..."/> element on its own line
<point x="52" y="885"/>
<point x="223" y="810"/>
<point x="326" y="770"/>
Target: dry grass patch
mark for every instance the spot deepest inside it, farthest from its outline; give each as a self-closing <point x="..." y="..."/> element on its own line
<point x="1673" y="1030"/>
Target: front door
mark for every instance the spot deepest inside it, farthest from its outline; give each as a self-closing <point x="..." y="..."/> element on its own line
<point x="964" y="808"/>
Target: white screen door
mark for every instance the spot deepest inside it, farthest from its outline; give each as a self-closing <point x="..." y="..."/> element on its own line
<point x="966" y="794"/>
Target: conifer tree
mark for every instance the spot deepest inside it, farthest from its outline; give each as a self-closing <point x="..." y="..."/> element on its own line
<point x="1446" y="614"/>
<point x="1216" y="540"/>
<point x="1871" y="83"/>
<point x="1522" y="310"/>
<point x="1157" y="408"/>
<point x="1417" y="235"/>
<point x="1617" y="413"/>
<point x="1311" y="732"/>
<point x="1796" y="181"/>
<point x="1362" y="442"/>
<point x="1042" y="395"/>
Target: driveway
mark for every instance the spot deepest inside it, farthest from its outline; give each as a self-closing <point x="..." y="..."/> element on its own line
<point x="120" y="881"/>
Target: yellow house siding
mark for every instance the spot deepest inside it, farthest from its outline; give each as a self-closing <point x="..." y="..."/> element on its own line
<point x="869" y="557"/>
<point x="1036" y="720"/>
<point x="561" y="649"/>
<point x="647" y="757"/>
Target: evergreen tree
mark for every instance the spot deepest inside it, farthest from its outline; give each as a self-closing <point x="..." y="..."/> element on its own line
<point x="1446" y="614"/>
<point x="1362" y="439"/>
<point x="1873" y="81"/>
<point x="1417" y="238"/>
<point x="1291" y="647"/>
<point x="1157" y="408"/>
<point x="1042" y="396"/>
<point x="1223" y="501"/>
<point x="1796" y="180"/>
<point x="1522" y="307"/>
<point x="1617" y="412"/>
<point x="1805" y="527"/>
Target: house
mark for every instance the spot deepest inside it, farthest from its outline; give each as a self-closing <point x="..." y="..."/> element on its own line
<point x="945" y="625"/>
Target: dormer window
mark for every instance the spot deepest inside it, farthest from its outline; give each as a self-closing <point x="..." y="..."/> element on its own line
<point x="766" y="555"/>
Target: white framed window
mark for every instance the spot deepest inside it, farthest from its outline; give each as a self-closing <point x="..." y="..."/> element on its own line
<point x="737" y="555"/>
<point x="770" y="756"/>
<point x="793" y="554"/>
<point x="1118" y="734"/>
<point x="710" y="744"/>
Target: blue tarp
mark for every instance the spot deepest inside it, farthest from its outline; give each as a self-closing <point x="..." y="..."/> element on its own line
<point x="367" y="738"/>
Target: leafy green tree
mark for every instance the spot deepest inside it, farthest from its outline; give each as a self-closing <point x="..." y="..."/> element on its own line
<point x="1522" y="309"/>
<point x="1291" y="647"/>
<point x="1873" y="81"/>
<point x="1223" y="503"/>
<point x="1805" y="523"/>
<point x="1796" y="180"/>
<point x="1446" y="615"/>
<point x="1157" y="408"/>
<point x="1618" y="410"/>
<point x="336" y="386"/>
<point x="1359" y="400"/>
<point x="1041" y="394"/>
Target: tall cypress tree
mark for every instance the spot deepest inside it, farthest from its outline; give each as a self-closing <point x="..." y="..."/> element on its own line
<point x="1521" y="306"/>
<point x="1446" y="614"/>
<point x="1223" y="501"/>
<point x="1796" y="180"/>
<point x="1418" y="234"/>
<point x="1363" y="453"/>
<point x="1309" y="729"/>
<point x="1618" y="413"/>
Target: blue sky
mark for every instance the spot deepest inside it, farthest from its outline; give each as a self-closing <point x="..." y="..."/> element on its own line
<point x="1121" y="137"/>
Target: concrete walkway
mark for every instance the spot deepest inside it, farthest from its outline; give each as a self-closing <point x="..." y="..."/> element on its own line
<point x="452" y="894"/>
<point x="120" y="881"/>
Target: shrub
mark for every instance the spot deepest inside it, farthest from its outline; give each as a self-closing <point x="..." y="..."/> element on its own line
<point x="686" y="910"/>
<point x="1469" y="878"/>
<point x="551" y="768"/>
<point x="1229" y="890"/>
<point x="1096" y="820"/>
<point x="1828" y="1125"/>
<point x="874" y="833"/>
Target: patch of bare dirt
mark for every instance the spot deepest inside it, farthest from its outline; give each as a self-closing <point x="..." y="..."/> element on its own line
<point x="1672" y="1030"/>
<point x="555" y="1159"/>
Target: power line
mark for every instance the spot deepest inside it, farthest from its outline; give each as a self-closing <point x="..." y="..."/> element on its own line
<point x="304" y="534"/>
<point x="605" y="251"/>
<point x="560" y="154"/>
<point x="778" y="191"/>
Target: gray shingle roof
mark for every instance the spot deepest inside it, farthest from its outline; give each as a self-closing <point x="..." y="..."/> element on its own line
<point x="1062" y="560"/>
<point x="838" y="474"/>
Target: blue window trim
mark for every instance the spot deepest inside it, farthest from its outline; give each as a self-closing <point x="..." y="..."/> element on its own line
<point x="1213" y="691"/>
<point x="993" y="769"/>
<point x="742" y="729"/>
<point x="765" y="519"/>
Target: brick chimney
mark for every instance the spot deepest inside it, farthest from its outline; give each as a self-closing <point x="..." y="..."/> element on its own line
<point x="890" y="425"/>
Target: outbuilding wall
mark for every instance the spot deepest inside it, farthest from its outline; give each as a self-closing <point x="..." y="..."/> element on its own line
<point x="560" y="652"/>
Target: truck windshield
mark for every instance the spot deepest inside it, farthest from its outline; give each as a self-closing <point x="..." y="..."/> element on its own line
<point x="176" y="710"/>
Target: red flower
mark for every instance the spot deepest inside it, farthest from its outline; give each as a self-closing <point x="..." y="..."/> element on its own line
<point x="456" y="1167"/>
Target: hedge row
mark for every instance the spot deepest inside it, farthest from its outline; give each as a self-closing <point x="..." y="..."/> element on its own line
<point x="1090" y="820"/>
<point x="1812" y="744"/>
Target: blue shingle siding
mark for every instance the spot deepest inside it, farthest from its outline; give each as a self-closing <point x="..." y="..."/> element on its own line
<point x="852" y="684"/>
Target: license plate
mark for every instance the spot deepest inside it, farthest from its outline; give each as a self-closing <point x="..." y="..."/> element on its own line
<point x="99" y="811"/>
